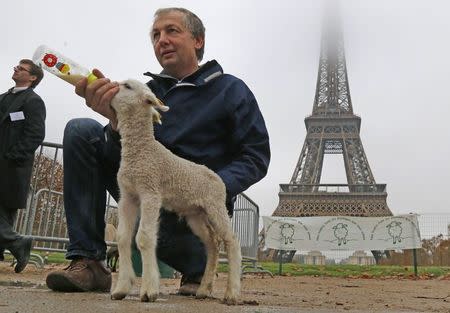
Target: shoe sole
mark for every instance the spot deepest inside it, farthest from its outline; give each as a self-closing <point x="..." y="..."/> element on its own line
<point x="20" y="267"/>
<point x="62" y="284"/>
<point x="186" y="294"/>
<point x="189" y="290"/>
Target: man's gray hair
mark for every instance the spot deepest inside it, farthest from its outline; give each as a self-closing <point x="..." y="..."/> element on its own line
<point x="192" y="22"/>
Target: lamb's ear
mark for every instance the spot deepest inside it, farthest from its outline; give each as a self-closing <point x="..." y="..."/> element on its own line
<point x="156" y="104"/>
<point x="156" y="117"/>
<point x="160" y="105"/>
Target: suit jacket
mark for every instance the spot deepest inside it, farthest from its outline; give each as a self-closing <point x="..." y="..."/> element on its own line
<point x="20" y="136"/>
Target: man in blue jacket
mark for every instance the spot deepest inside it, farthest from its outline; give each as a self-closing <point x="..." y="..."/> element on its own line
<point x="213" y="120"/>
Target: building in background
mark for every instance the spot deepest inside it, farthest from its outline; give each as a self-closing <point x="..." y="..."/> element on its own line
<point x="360" y="258"/>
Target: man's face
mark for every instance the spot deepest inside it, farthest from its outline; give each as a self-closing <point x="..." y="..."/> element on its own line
<point x="174" y="44"/>
<point x="22" y="74"/>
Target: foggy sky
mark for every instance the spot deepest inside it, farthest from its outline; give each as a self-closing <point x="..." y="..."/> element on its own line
<point x="397" y="59"/>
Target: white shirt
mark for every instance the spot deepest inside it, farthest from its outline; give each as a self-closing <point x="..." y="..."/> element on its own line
<point x="17" y="89"/>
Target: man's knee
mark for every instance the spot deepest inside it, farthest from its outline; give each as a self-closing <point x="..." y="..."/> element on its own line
<point x="84" y="129"/>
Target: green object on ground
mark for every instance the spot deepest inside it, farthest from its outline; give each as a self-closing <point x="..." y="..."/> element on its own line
<point x="165" y="270"/>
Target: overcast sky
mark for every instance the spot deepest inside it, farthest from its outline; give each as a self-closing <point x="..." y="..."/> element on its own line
<point x="398" y="60"/>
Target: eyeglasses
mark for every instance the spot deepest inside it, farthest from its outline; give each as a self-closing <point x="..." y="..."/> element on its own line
<point x="21" y="68"/>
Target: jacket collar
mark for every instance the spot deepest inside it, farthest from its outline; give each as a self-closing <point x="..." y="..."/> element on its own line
<point x="203" y="75"/>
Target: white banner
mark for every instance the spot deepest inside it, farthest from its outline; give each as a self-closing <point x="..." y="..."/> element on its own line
<point x="342" y="233"/>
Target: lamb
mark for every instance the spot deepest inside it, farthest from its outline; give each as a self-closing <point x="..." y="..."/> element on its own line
<point x="395" y="231"/>
<point x="287" y="233"/>
<point x="151" y="177"/>
<point x="341" y="232"/>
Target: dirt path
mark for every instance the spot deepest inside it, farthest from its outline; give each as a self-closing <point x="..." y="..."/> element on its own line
<point x="26" y="293"/>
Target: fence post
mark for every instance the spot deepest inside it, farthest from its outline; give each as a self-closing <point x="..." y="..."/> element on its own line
<point x="415" y="261"/>
<point x="280" y="267"/>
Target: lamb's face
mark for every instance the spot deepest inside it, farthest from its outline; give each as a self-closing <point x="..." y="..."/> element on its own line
<point x="133" y="96"/>
<point x="340" y="226"/>
<point x="393" y="224"/>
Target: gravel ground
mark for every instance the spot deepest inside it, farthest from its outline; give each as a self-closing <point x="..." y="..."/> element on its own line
<point x="26" y="293"/>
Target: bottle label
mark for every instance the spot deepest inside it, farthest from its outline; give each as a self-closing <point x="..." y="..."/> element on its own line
<point x="61" y="66"/>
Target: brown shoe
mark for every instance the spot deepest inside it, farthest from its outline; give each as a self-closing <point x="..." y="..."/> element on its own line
<point x="189" y="285"/>
<point x="81" y="275"/>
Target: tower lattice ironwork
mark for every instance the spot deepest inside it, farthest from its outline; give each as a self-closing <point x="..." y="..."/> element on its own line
<point x="332" y="128"/>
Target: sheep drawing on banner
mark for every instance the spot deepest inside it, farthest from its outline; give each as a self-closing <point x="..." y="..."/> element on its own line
<point x="395" y="231"/>
<point x="151" y="177"/>
<point x="287" y="233"/>
<point x="341" y="232"/>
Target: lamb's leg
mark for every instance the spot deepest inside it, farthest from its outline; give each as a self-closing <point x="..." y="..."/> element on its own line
<point x="198" y="225"/>
<point x="146" y="240"/>
<point x="222" y="227"/>
<point x="234" y="260"/>
<point x="128" y="208"/>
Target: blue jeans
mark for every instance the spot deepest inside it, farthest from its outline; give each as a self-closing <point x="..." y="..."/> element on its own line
<point x="90" y="169"/>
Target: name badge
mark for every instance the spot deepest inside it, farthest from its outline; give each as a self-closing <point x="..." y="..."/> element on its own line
<point x="16" y="116"/>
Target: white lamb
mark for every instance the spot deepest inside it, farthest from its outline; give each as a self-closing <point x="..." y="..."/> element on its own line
<point x="287" y="233"/>
<point x="341" y="232"/>
<point x="395" y="231"/>
<point x="151" y="177"/>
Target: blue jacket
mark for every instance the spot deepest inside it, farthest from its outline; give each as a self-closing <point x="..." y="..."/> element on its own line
<point x="214" y="120"/>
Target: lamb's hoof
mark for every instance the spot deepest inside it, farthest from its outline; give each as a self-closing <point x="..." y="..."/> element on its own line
<point x="149" y="298"/>
<point x="204" y="292"/>
<point x="118" y="295"/>
<point x="230" y="301"/>
<point x="201" y="295"/>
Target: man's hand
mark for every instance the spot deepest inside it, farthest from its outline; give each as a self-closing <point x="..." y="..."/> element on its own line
<point x="98" y="95"/>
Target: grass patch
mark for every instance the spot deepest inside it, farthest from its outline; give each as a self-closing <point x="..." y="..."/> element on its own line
<point x="347" y="270"/>
<point x="296" y="269"/>
<point x="51" y="257"/>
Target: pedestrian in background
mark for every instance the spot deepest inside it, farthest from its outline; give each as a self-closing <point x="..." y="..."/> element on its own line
<point x="22" y="130"/>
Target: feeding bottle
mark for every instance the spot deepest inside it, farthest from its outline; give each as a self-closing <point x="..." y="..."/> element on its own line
<point x="61" y="66"/>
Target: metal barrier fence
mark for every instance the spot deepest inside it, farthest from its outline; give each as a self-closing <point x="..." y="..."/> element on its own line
<point x="432" y="225"/>
<point x="44" y="217"/>
<point x="245" y="223"/>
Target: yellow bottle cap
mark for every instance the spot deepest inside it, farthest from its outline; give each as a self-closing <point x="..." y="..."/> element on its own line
<point x="91" y="77"/>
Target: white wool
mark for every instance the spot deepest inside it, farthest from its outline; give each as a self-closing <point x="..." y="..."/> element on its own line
<point x="151" y="177"/>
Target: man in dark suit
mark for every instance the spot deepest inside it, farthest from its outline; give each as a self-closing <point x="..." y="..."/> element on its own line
<point x="22" y="130"/>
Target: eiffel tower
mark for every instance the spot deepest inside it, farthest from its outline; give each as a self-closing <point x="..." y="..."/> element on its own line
<point x="332" y="128"/>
